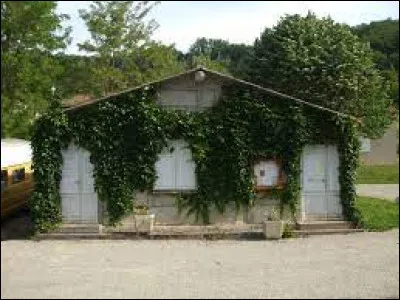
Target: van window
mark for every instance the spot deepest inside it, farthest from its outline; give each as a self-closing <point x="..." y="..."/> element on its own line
<point x="3" y="179"/>
<point x="18" y="175"/>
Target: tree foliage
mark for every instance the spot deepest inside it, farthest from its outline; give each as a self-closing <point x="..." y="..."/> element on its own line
<point x="30" y="32"/>
<point x="323" y="62"/>
<point x="220" y="55"/>
<point x="383" y="37"/>
<point x="125" y="133"/>
<point x="118" y="32"/>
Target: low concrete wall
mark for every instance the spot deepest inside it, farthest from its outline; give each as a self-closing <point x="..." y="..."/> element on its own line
<point x="166" y="213"/>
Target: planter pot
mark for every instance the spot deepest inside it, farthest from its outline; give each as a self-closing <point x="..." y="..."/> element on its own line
<point x="144" y="223"/>
<point x="273" y="229"/>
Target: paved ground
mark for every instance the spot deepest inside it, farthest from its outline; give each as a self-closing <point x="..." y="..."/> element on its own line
<point x="360" y="265"/>
<point x="16" y="226"/>
<point x="384" y="191"/>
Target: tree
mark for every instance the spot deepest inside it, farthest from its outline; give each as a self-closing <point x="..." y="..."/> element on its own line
<point x="76" y="77"/>
<point x="118" y="31"/>
<point x="220" y="55"/>
<point x="153" y="62"/>
<point x="30" y="33"/>
<point x="324" y="63"/>
<point x="383" y="37"/>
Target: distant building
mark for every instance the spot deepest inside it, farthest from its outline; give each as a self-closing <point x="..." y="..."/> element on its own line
<point x="381" y="151"/>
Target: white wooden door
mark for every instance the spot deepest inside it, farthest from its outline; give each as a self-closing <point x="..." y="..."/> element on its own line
<point x="78" y="197"/>
<point x="320" y="183"/>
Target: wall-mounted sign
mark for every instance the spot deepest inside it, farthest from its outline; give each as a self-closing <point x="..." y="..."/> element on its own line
<point x="267" y="173"/>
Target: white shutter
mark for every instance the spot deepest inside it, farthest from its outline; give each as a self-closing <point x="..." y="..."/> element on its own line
<point x="165" y="170"/>
<point x="176" y="170"/>
<point x="185" y="169"/>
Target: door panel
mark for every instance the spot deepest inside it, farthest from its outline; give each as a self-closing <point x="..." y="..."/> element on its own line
<point x="333" y="169"/>
<point x="79" y="200"/>
<point x="71" y="208"/>
<point x="320" y="182"/>
<point x="334" y="207"/>
<point x="70" y="174"/>
<point x="87" y="180"/>
<point x="314" y="172"/>
<point x="89" y="210"/>
<point x="315" y="204"/>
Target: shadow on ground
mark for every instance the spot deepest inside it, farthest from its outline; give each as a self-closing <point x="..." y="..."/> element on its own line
<point x="17" y="226"/>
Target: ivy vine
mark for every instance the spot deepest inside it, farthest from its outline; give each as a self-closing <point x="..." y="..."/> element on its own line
<point x="124" y="135"/>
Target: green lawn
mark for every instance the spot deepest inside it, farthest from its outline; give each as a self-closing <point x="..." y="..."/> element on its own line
<point x="378" y="214"/>
<point x="378" y="174"/>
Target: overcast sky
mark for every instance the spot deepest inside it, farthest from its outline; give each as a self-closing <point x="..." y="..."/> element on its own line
<point x="181" y="22"/>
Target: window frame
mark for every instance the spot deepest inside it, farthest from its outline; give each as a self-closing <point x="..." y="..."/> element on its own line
<point x="18" y="170"/>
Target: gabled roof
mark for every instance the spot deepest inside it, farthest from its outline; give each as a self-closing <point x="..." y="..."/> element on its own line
<point x="222" y="76"/>
<point x="76" y="100"/>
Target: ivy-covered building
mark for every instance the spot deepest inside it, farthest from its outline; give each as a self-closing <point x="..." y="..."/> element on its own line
<point x="197" y="147"/>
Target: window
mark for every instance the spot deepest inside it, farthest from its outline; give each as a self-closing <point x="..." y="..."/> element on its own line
<point x="268" y="174"/>
<point x="3" y="179"/>
<point x="175" y="168"/>
<point x="18" y="175"/>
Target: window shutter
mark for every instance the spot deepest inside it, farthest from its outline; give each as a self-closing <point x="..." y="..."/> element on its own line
<point x="176" y="170"/>
<point x="185" y="169"/>
<point x="165" y="170"/>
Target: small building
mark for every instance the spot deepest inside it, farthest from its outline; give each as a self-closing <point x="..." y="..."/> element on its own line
<point x="382" y="151"/>
<point x="198" y="91"/>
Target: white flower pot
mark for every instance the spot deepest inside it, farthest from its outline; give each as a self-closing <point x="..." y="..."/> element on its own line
<point x="273" y="229"/>
<point x="144" y="223"/>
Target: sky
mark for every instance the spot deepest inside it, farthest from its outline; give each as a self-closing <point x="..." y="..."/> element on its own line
<point x="182" y="22"/>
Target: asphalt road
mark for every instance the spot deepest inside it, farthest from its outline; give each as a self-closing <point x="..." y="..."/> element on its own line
<point x="383" y="191"/>
<point x="360" y="265"/>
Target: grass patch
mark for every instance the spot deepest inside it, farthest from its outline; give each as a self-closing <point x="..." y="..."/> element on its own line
<point x="383" y="174"/>
<point x="378" y="214"/>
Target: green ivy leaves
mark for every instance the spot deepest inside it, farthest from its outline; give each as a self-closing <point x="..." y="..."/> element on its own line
<point x="125" y="134"/>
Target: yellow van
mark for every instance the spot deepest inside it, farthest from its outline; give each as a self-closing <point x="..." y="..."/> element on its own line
<point x="16" y="175"/>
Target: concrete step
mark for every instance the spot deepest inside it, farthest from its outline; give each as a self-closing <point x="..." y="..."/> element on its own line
<point x="70" y="236"/>
<point x="300" y="233"/>
<point x="319" y="225"/>
<point x="193" y="230"/>
<point x="79" y="228"/>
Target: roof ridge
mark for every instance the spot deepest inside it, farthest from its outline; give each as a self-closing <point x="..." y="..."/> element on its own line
<point x="268" y="90"/>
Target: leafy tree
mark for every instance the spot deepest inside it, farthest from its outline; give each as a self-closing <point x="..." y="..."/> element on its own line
<point x="206" y="61"/>
<point x="30" y="32"/>
<point x="220" y="54"/>
<point x="383" y="37"/>
<point x="77" y="75"/>
<point x="153" y="62"/>
<point x="324" y="63"/>
<point x="118" y="32"/>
